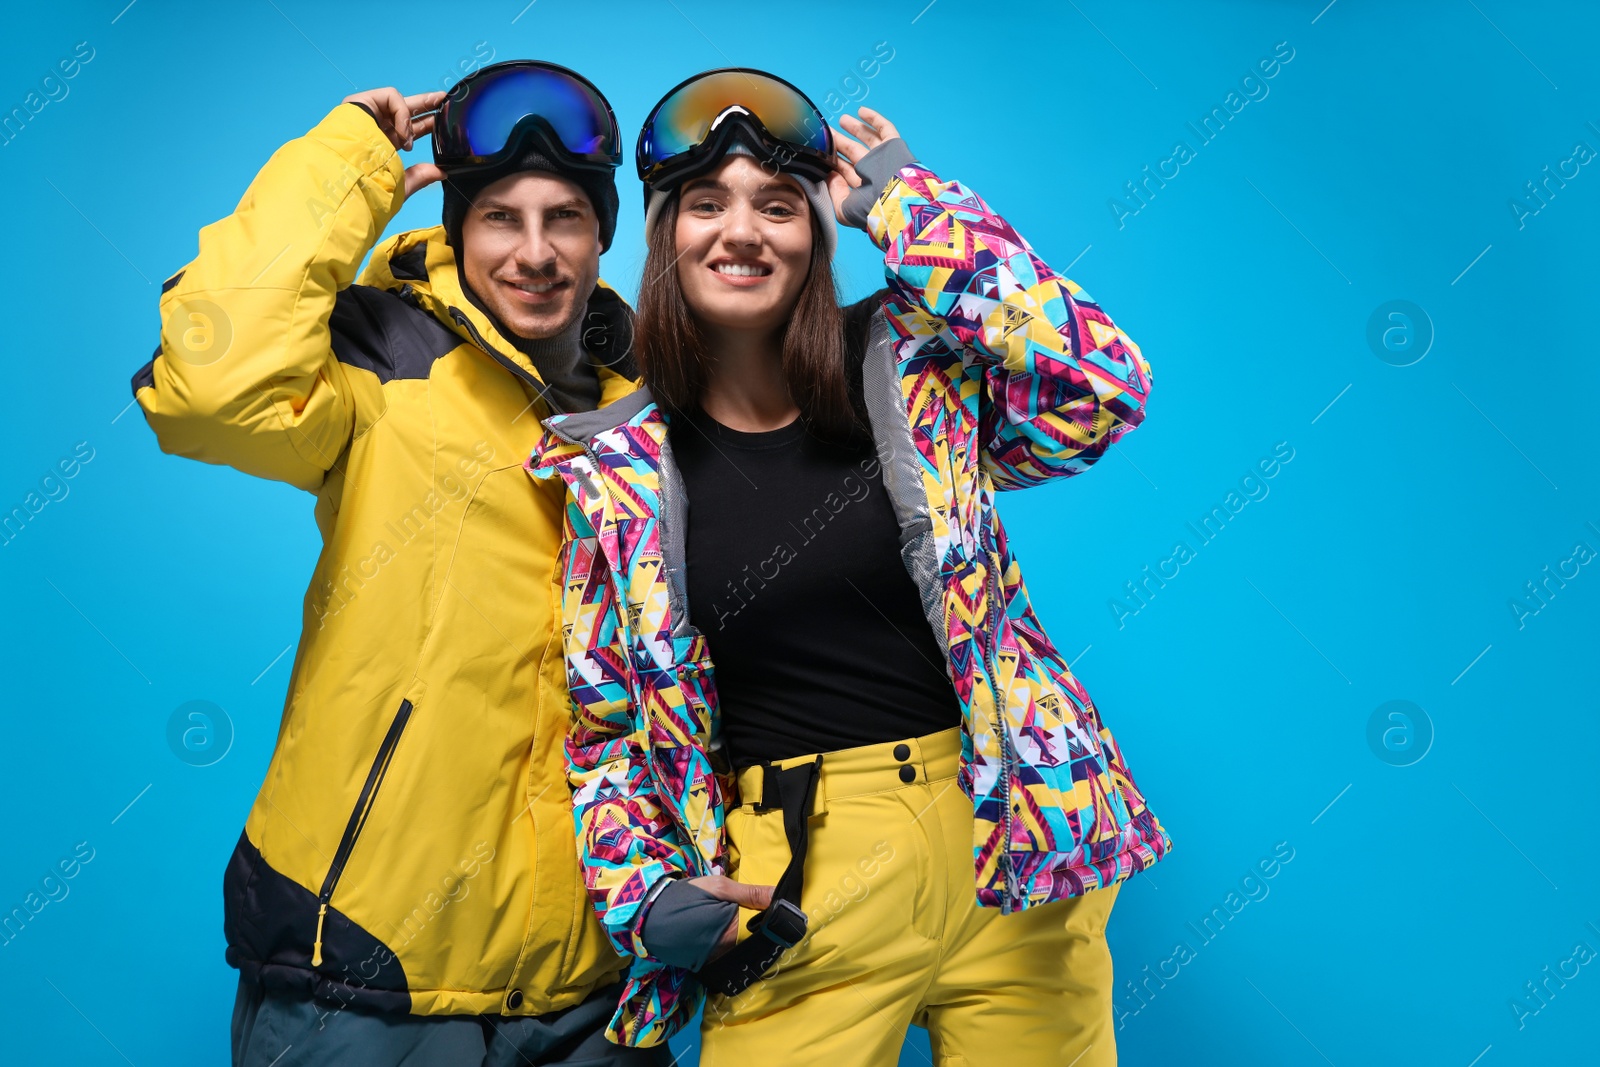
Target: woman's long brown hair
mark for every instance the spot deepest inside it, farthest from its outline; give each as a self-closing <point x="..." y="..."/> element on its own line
<point x="676" y="365"/>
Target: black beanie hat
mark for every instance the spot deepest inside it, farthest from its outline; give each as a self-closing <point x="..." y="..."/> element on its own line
<point x="461" y="188"/>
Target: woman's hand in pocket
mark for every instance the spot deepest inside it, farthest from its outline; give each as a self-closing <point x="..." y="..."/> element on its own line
<point x="754" y="897"/>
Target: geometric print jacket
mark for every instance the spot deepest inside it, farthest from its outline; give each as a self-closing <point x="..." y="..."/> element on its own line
<point x="984" y="370"/>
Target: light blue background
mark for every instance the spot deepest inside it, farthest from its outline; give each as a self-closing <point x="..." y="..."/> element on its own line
<point x="1380" y="566"/>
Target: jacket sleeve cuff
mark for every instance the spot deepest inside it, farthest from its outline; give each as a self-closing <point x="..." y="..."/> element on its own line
<point x="877" y="169"/>
<point x="683" y="924"/>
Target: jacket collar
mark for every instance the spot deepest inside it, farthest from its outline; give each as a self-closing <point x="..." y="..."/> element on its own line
<point x="584" y="427"/>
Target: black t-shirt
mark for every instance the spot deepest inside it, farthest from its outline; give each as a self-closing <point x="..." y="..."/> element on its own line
<point x="815" y="629"/>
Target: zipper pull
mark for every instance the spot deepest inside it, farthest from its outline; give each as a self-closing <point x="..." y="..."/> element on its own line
<point x="316" y="948"/>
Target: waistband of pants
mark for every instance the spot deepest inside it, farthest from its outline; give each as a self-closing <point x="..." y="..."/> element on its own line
<point x="880" y="768"/>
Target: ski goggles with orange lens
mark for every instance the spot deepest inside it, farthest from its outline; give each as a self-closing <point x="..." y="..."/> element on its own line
<point x="694" y="124"/>
<point x="485" y="117"/>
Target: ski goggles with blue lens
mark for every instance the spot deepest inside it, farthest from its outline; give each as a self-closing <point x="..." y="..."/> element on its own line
<point x="487" y="114"/>
<point x="694" y="124"/>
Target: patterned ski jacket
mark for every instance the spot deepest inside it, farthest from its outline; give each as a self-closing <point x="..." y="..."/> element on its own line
<point x="983" y="370"/>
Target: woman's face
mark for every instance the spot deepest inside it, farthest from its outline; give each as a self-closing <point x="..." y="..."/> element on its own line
<point x="744" y="246"/>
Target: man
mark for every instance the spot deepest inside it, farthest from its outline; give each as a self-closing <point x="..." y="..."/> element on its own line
<point x="406" y="887"/>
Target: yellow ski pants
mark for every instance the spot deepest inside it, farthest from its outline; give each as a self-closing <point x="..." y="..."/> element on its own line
<point x="895" y="935"/>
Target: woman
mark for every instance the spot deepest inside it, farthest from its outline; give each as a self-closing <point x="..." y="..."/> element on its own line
<point x="805" y="495"/>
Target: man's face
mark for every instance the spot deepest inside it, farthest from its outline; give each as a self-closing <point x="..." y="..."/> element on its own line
<point x="531" y="251"/>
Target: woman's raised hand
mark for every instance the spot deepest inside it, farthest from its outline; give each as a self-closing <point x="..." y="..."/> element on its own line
<point x="865" y="133"/>
<point x="871" y="129"/>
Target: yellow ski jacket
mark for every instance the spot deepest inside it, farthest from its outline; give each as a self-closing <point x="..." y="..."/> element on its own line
<point x="411" y="849"/>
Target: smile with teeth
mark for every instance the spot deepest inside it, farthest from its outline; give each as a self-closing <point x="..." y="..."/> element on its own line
<point x="742" y="270"/>
<point x="534" y="287"/>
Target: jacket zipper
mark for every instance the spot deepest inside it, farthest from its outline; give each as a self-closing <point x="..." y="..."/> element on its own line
<point x="494" y="353"/>
<point x="358" y="819"/>
<point x="1007" y="757"/>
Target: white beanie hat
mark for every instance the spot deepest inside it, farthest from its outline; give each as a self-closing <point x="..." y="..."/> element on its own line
<point x="816" y="193"/>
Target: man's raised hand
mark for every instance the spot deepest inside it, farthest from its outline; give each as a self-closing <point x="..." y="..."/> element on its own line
<point x="393" y="113"/>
